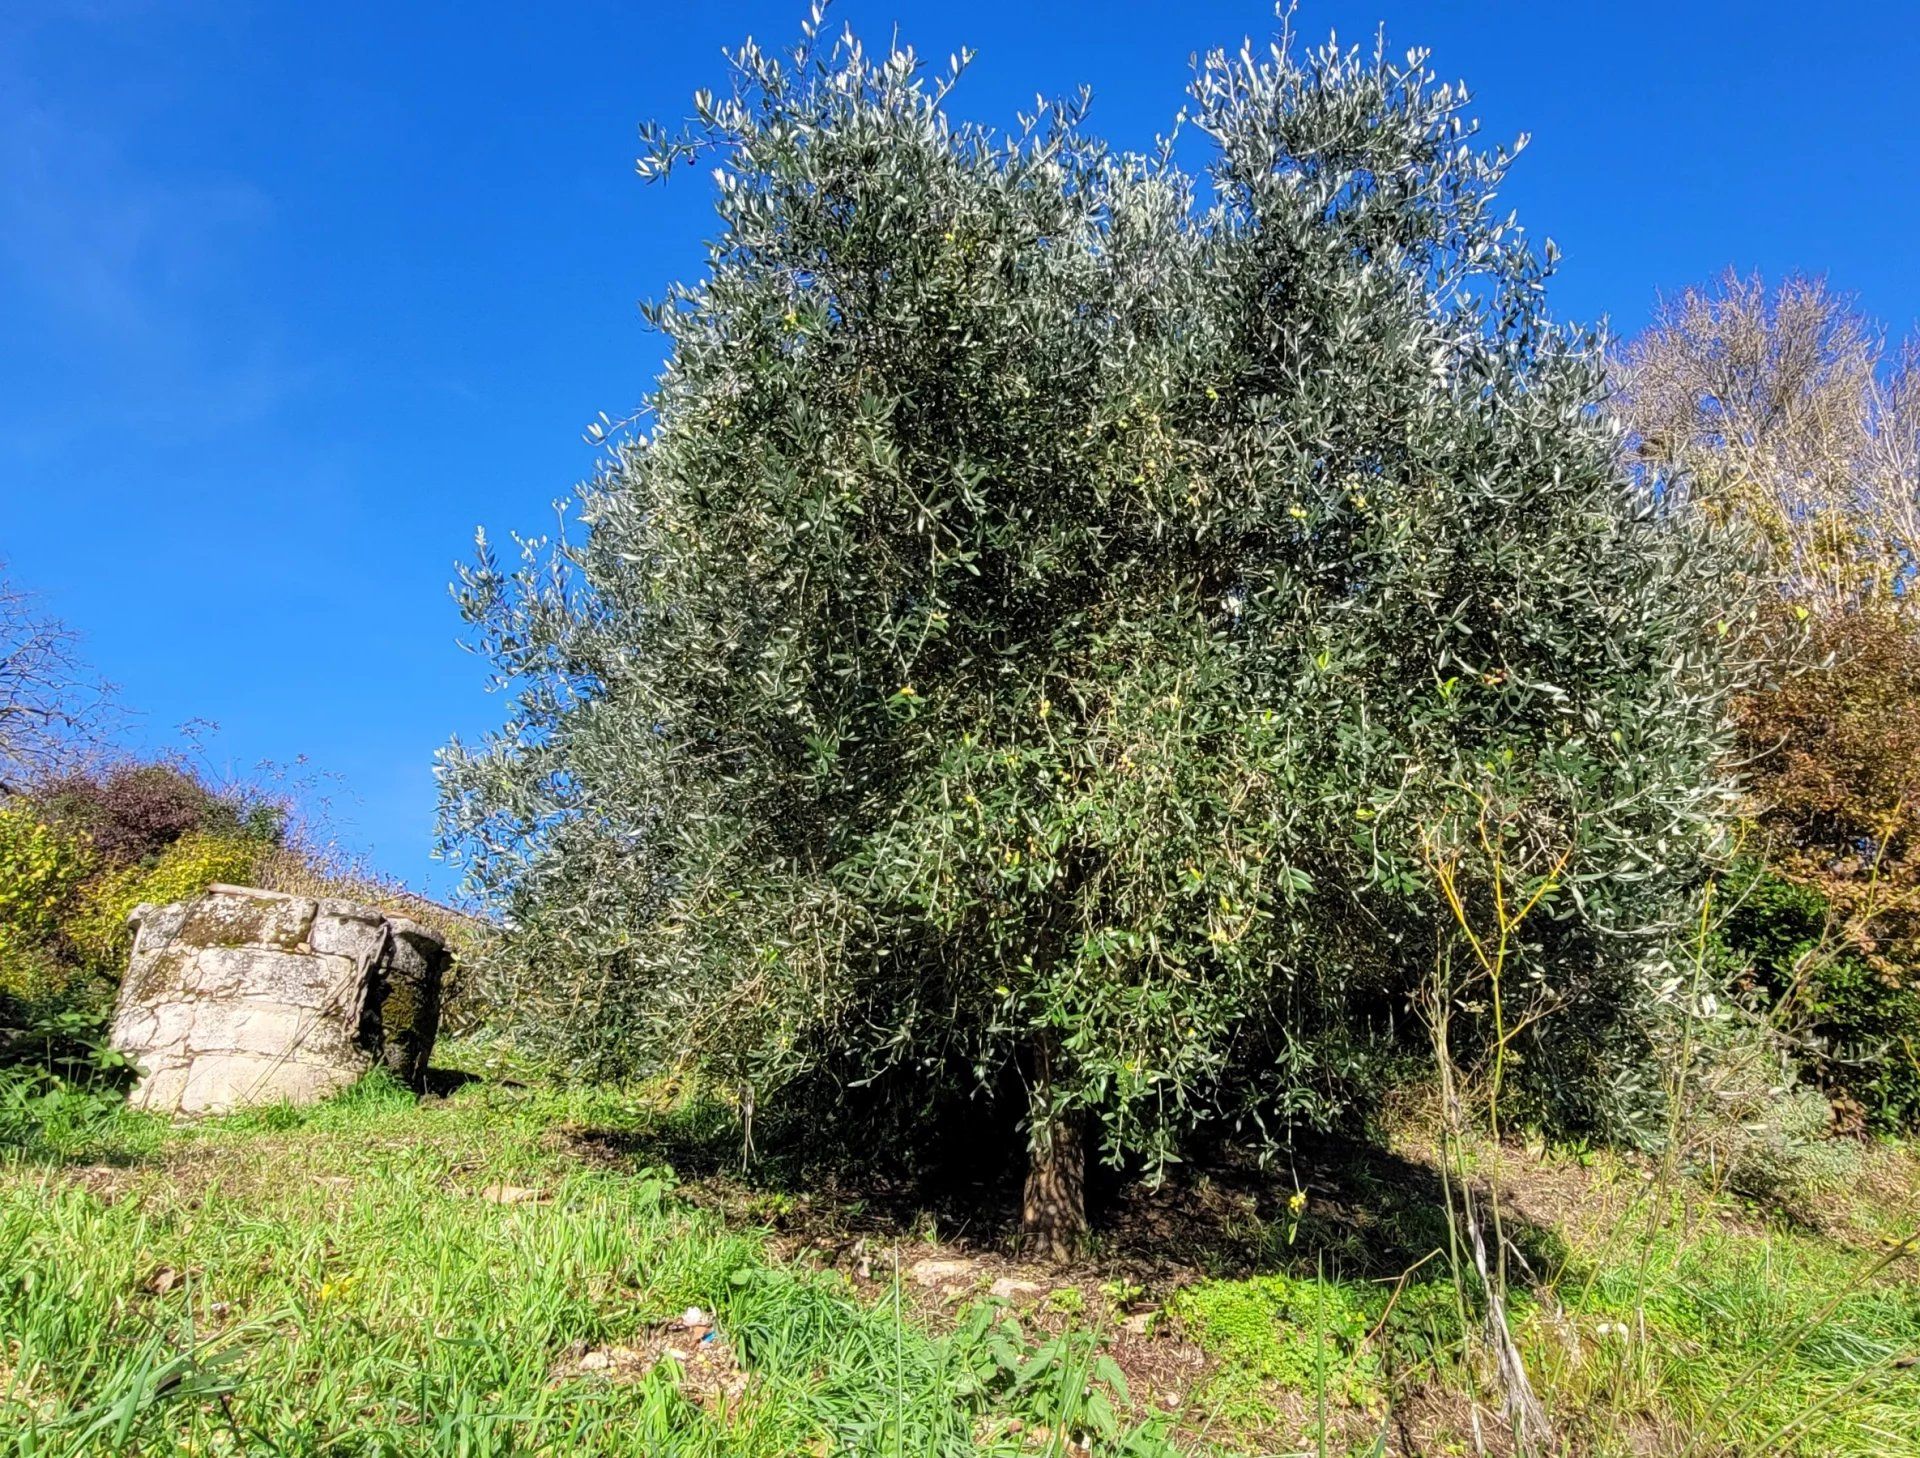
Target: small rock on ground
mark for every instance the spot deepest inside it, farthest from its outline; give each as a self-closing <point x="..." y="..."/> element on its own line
<point x="932" y="1272"/>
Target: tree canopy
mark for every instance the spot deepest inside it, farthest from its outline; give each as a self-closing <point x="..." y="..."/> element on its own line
<point x="1057" y="608"/>
<point x="1785" y="410"/>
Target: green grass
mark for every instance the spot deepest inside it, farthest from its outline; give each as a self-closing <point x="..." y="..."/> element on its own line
<point x="339" y="1280"/>
<point x="336" y="1281"/>
<point x="1750" y="1340"/>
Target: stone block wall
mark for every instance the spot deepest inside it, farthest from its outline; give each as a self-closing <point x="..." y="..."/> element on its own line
<point x="242" y="997"/>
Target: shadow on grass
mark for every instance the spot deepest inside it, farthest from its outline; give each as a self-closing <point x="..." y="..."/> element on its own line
<point x="1368" y="1213"/>
<point x="444" y="1083"/>
<point x="1365" y="1213"/>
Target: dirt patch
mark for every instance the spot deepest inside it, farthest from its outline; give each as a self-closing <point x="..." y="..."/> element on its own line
<point x="107" y="1183"/>
<point x="1890" y="1181"/>
<point x="1162" y="1371"/>
<point x="1335" y="1209"/>
<point x="1432" y="1419"/>
<point x="179" y="1176"/>
<point x="498" y="1194"/>
<point x="689" y="1349"/>
<point x="936" y="1281"/>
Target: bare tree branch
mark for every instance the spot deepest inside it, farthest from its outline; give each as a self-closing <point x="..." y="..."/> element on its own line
<point x="1775" y="409"/>
<point x="52" y="706"/>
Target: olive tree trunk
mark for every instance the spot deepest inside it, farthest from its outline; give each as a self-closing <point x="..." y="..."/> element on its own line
<point x="1053" y="1206"/>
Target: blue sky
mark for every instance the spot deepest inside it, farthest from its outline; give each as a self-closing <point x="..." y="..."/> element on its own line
<point x="292" y="297"/>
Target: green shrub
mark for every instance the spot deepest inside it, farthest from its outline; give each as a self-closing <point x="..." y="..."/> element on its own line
<point x="1855" y="1024"/>
<point x="1869" y="1025"/>
<point x="59" y="1080"/>
<point x="1788" y="1156"/>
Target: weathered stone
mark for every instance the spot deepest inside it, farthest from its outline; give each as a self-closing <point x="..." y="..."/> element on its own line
<point x="162" y="1087"/>
<point x="934" y="1272"/>
<point x="242" y="917"/>
<point x="343" y="928"/>
<point x="298" y="979"/>
<point x="266" y="1030"/>
<point x="243" y="997"/>
<point x="416" y="969"/>
<point x="218" y="1082"/>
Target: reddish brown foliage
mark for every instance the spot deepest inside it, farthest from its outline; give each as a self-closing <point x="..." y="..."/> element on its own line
<point x="136" y="810"/>
<point x="1834" y="758"/>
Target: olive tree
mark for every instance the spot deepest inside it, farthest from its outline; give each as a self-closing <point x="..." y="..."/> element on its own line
<point x="1050" y="600"/>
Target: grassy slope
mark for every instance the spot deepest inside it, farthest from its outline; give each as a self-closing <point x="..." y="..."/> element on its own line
<point x="376" y="1277"/>
<point x="379" y="1278"/>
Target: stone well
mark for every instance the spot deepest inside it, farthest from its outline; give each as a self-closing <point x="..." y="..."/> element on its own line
<point x="242" y="997"/>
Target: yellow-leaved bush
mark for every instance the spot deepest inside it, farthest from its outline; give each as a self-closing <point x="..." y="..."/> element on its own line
<point x="41" y="871"/>
<point x="98" y="930"/>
